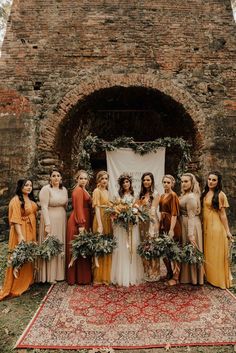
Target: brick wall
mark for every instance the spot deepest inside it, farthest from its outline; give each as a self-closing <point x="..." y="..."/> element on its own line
<point x="57" y="54"/>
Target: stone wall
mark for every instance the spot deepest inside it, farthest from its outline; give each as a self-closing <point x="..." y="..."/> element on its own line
<point x="57" y="54"/>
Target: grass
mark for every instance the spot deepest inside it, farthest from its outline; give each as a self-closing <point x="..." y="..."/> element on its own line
<point x="15" y="314"/>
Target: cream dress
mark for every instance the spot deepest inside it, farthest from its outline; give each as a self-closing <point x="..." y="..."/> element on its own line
<point x="53" y="212"/>
<point x="127" y="267"/>
<point x="191" y="226"/>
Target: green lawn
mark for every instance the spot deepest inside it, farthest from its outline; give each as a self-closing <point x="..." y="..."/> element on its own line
<point x="15" y="314"/>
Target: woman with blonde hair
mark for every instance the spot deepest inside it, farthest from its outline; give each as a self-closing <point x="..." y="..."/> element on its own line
<point x="190" y="209"/>
<point x="80" y="271"/>
<point x="102" y="225"/>
<point x="169" y="223"/>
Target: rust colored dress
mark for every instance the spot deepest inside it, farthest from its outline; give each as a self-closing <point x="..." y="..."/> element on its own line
<point x="26" y="217"/>
<point x="102" y="274"/>
<point x="169" y="206"/>
<point x="81" y="271"/>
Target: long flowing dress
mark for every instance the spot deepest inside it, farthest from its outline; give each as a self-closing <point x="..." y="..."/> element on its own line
<point x="27" y="219"/>
<point x="81" y="271"/>
<point x="216" y="244"/>
<point x="53" y="205"/>
<point x="191" y="226"/>
<point x="147" y="230"/>
<point x="102" y="273"/>
<point x="168" y="207"/>
<point x="127" y="267"/>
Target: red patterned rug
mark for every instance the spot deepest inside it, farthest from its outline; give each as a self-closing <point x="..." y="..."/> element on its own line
<point x="149" y="315"/>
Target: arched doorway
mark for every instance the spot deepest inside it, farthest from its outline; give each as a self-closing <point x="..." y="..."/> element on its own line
<point x="135" y="111"/>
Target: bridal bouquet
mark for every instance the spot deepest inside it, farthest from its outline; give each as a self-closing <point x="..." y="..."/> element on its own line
<point x="50" y="247"/>
<point x="22" y="253"/>
<point x="125" y="214"/>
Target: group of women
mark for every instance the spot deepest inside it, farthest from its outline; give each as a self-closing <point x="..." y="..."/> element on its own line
<point x="179" y="217"/>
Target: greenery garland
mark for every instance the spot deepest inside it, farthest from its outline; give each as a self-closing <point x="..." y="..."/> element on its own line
<point x="94" y="144"/>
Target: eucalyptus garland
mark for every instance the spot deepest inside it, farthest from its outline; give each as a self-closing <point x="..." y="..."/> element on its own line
<point x="190" y="254"/>
<point x="94" y="144"/>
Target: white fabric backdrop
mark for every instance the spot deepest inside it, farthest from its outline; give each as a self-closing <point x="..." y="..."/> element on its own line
<point x="125" y="160"/>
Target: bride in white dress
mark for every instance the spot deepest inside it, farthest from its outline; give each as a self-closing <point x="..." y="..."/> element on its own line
<point x="127" y="267"/>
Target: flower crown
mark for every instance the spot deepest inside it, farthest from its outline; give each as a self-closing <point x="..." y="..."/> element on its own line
<point x="124" y="176"/>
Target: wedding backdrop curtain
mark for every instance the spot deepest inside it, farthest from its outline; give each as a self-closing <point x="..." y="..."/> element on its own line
<point x="125" y="160"/>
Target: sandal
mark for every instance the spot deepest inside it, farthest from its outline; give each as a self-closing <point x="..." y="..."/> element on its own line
<point x="173" y="282"/>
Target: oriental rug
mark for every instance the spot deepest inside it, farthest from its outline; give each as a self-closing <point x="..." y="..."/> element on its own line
<point x="144" y="316"/>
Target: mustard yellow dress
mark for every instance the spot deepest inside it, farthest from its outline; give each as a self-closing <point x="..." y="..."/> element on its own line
<point x="216" y="245"/>
<point x="102" y="273"/>
<point x="27" y="219"/>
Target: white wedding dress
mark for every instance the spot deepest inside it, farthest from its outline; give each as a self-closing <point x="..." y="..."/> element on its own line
<point x="127" y="266"/>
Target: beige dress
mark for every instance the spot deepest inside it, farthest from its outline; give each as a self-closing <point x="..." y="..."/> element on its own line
<point x="191" y="225"/>
<point x="53" y="203"/>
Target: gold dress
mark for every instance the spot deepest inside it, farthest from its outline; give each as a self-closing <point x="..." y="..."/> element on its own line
<point x="26" y="217"/>
<point x="102" y="272"/>
<point x="216" y="244"/>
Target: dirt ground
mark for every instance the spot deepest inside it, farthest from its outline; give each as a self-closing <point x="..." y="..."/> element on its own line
<point x="16" y="313"/>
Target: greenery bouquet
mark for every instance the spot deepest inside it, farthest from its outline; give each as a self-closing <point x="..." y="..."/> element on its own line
<point x="50" y="247"/>
<point x="22" y="253"/>
<point x="82" y="245"/>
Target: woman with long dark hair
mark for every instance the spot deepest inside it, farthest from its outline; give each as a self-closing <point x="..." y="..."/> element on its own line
<point x="22" y="219"/>
<point x="149" y="200"/>
<point x="53" y="198"/>
<point x="127" y="268"/>
<point x="217" y="236"/>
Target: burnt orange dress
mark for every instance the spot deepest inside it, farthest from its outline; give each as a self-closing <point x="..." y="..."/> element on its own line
<point x="81" y="271"/>
<point x="169" y="206"/>
<point x="27" y="219"/>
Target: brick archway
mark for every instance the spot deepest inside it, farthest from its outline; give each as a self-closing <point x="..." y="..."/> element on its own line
<point x="51" y="125"/>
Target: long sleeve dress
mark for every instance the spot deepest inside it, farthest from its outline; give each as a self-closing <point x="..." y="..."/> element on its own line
<point x="216" y="244"/>
<point x="191" y="226"/>
<point x="127" y="267"/>
<point x="81" y="271"/>
<point x="102" y="274"/>
<point x="53" y="205"/>
<point x="27" y="219"/>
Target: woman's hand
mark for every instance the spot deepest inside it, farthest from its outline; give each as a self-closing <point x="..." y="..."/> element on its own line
<point x="230" y="237"/>
<point x="15" y="272"/>
<point x="100" y="229"/>
<point x="171" y="233"/>
<point x="192" y="240"/>
<point x="48" y="229"/>
<point x="21" y="238"/>
<point x="81" y="229"/>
